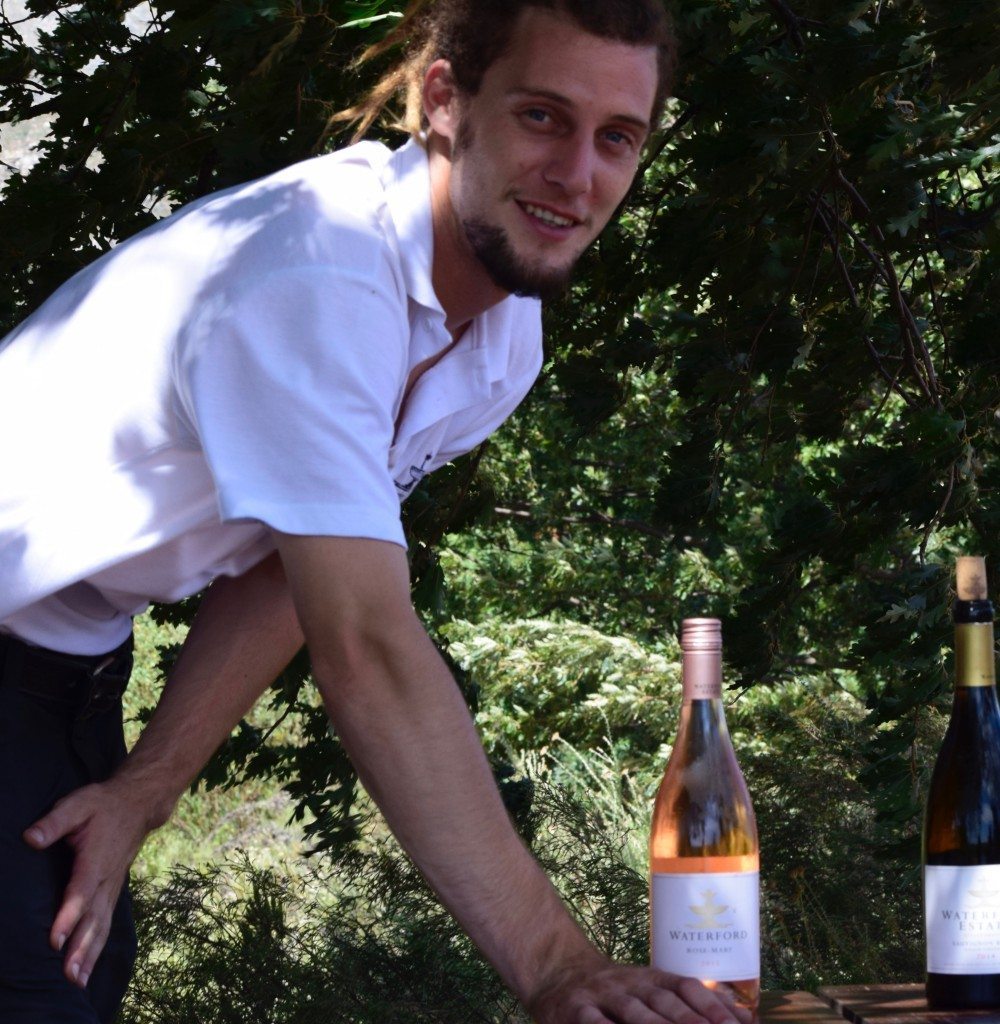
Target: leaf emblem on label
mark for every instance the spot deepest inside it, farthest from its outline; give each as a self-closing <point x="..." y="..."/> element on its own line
<point x="709" y="912"/>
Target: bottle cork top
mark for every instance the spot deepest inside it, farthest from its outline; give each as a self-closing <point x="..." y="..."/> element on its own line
<point x="970" y="578"/>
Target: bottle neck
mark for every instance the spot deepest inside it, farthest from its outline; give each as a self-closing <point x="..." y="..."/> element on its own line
<point x="702" y="675"/>
<point x="702" y="723"/>
<point x="974" y="662"/>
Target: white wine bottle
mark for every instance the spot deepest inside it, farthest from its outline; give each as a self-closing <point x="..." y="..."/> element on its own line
<point x="703" y="853"/>
<point x="962" y="822"/>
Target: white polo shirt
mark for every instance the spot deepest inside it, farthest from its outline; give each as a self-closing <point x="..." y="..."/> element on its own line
<point x="239" y="365"/>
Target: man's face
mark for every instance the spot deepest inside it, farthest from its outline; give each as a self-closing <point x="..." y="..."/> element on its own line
<point x="547" y="148"/>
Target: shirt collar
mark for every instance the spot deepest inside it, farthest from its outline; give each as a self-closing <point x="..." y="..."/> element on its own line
<point x="407" y="183"/>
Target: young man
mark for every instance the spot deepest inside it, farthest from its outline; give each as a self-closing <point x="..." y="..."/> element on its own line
<point x="245" y="392"/>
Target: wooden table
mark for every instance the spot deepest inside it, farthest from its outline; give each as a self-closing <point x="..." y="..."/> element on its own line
<point x="796" y="1008"/>
<point x="895" y="1004"/>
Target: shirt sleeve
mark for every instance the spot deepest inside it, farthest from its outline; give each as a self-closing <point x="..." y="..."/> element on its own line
<point x="292" y="392"/>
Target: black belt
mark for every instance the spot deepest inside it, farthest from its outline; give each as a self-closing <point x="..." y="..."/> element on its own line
<point x="87" y="684"/>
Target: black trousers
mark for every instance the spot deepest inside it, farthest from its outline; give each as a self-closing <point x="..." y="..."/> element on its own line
<point x="54" y="738"/>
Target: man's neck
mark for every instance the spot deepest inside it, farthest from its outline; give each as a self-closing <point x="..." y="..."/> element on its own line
<point x="461" y="283"/>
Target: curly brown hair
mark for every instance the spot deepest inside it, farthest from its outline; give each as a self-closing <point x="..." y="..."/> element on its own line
<point x="472" y="34"/>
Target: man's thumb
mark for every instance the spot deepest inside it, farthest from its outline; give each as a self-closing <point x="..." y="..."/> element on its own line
<point x="58" y="823"/>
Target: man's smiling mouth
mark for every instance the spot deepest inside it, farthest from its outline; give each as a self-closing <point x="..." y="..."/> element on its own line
<point x="548" y="217"/>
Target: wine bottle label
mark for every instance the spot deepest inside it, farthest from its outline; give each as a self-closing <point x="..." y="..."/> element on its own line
<point x="707" y="926"/>
<point x="962" y="913"/>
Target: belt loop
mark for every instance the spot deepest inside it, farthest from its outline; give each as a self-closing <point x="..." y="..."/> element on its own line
<point x="108" y="680"/>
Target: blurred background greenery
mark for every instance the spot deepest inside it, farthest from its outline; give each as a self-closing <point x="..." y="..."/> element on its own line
<point x="773" y="397"/>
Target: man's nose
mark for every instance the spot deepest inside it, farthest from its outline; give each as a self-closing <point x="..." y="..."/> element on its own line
<point x="572" y="166"/>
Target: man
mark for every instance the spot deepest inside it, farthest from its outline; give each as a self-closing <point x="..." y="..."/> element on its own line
<point x="247" y="390"/>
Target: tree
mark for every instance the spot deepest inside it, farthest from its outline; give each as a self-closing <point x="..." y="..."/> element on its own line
<point x="782" y="371"/>
<point x="773" y="395"/>
<point x="158" y="103"/>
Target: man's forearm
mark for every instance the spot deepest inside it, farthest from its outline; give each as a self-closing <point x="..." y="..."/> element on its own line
<point x="411" y="738"/>
<point x="413" y="743"/>
<point x="244" y="634"/>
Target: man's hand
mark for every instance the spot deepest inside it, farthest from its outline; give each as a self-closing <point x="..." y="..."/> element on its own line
<point x="608" y="993"/>
<point x="244" y="634"/>
<point x="105" y="825"/>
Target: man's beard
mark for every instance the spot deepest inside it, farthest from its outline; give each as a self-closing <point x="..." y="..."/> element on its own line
<point x="507" y="270"/>
<point x="492" y="248"/>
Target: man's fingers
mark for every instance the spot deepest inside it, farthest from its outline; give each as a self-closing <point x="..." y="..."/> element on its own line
<point x="622" y="994"/>
<point x="674" y="1007"/>
<point x="743" y="1015"/>
<point x="631" y="1009"/>
<point x="591" y="1015"/>
<point x="84" y="894"/>
<point x="79" y="895"/>
<point x="688" y="1001"/>
<point x="91" y="821"/>
<point x="717" y="1007"/>
<point x="86" y="943"/>
<point x="725" y="993"/>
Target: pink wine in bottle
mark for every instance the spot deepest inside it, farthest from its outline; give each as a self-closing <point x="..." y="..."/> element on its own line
<point x="703" y="852"/>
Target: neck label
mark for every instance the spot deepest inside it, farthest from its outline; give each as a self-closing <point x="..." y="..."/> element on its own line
<point x="974" y="654"/>
<point x="702" y="675"/>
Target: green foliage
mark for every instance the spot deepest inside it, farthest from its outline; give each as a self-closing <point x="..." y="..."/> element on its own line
<point x="239" y="943"/>
<point x="772" y="397"/>
<point x="592" y="714"/>
<point x="782" y="370"/>
<point x="541" y="681"/>
<point x="158" y="104"/>
<point x="361" y="939"/>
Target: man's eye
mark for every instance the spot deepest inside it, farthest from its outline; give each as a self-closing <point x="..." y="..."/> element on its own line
<point x="536" y="115"/>
<point x="618" y="138"/>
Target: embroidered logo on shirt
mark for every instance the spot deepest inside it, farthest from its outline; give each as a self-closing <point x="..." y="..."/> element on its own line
<point x="417" y="473"/>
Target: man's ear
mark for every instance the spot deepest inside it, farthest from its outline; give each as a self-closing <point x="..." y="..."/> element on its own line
<point x="441" y="100"/>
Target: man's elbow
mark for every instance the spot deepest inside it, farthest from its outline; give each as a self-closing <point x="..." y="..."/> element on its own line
<point x="371" y="658"/>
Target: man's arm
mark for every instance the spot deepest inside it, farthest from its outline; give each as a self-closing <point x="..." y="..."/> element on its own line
<point x="244" y="634"/>
<point x="409" y="734"/>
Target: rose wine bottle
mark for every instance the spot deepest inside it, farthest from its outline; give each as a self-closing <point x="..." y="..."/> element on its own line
<point x="703" y="852"/>
<point x="962" y="820"/>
